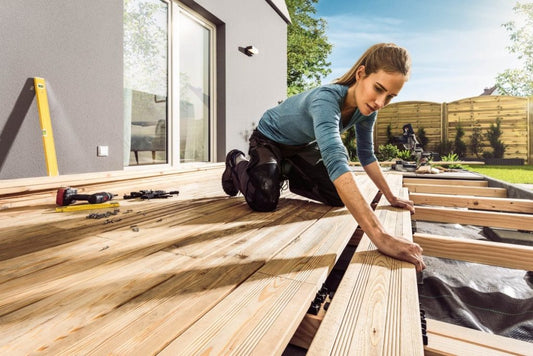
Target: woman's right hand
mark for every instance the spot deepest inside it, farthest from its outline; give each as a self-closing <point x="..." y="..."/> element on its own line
<point x="404" y="250"/>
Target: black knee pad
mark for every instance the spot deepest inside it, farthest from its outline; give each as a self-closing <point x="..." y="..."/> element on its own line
<point x="265" y="190"/>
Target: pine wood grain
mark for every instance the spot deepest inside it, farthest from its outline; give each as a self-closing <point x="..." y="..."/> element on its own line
<point x="486" y="252"/>
<point x="449" y="339"/>
<point x="457" y="190"/>
<point x="472" y="217"/>
<point x="461" y="182"/>
<point x="261" y="315"/>
<point x="479" y="203"/>
<point x="375" y="309"/>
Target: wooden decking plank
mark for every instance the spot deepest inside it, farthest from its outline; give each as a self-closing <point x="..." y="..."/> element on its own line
<point x="472" y="217"/>
<point x="36" y="184"/>
<point x="479" y="203"/>
<point x="461" y="182"/>
<point x="61" y="228"/>
<point x="53" y="318"/>
<point x="238" y="324"/>
<point x="375" y="309"/>
<point x="145" y="327"/>
<point x="486" y="252"/>
<point x="199" y="181"/>
<point x="448" y="339"/>
<point x="15" y="293"/>
<point x="457" y="190"/>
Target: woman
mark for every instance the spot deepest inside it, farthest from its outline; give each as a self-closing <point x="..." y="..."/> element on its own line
<point x="300" y="140"/>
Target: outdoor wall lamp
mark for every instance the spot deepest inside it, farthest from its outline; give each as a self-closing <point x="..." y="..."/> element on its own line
<point x="250" y="50"/>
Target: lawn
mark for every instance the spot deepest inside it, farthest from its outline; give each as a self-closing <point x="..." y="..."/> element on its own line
<point x="511" y="174"/>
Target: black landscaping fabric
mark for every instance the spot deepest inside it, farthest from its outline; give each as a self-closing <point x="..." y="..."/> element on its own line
<point x="487" y="298"/>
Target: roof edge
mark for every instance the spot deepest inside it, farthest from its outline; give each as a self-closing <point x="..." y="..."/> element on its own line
<point x="281" y="8"/>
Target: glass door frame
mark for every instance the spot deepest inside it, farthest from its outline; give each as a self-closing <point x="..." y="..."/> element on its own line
<point x="178" y="9"/>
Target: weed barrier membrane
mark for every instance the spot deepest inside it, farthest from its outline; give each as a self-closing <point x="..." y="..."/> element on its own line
<point x="492" y="299"/>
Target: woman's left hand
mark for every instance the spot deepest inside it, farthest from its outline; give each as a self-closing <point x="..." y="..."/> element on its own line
<point x="403" y="203"/>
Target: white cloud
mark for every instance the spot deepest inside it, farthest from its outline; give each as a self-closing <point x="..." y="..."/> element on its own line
<point x="448" y="64"/>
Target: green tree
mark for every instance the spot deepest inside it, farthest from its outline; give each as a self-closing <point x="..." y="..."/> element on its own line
<point x="307" y="47"/>
<point x="519" y="82"/>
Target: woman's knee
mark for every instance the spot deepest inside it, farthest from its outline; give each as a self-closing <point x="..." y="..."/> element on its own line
<point x="265" y="191"/>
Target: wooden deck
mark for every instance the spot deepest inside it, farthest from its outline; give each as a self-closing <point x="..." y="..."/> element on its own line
<point x="199" y="273"/>
<point x="143" y="281"/>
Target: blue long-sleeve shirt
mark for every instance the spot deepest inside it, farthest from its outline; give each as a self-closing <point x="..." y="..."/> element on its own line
<point x="315" y="115"/>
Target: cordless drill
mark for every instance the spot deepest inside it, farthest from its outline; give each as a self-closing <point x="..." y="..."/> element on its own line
<point x="67" y="196"/>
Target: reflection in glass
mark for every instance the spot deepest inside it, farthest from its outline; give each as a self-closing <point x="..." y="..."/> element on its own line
<point x="194" y="44"/>
<point x="145" y="82"/>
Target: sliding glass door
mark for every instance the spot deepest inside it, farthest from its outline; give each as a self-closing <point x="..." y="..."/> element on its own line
<point x="168" y="84"/>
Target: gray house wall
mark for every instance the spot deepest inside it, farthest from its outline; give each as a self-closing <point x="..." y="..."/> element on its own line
<point x="77" y="47"/>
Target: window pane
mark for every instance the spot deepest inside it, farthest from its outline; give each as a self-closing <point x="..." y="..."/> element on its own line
<point x="145" y="81"/>
<point x="194" y="44"/>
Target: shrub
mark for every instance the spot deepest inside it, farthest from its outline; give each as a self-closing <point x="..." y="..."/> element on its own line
<point x="348" y="138"/>
<point x="390" y="137"/>
<point x="422" y="138"/>
<point x="459" y="145"/>
<point x="493" y="135"/>
<point x="405" y="155"/>
<point x="387" y="152"/>
<point x="475" y="142"/>
<point x="444" y="148"/>
<point x="452" y="157"/>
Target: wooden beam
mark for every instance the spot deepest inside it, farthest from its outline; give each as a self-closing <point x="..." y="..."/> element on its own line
<point x="486" y="252"/>
<point x="375" y="310"/>
<point x="456" y="190"/>
<point x="480" y="203"/>
<point x="461" y="182"/>
<point x="449" y="339"/>
<point x="471" y="217"/>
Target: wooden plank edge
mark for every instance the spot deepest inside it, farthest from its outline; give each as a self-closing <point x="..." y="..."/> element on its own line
<point x="479" y="203"/>
<point x="472" y="217"/>
<point x="487" y="252"/>
<point x="449" y="339"/>
<point x="442" y="181"/>
<point x="36" y="184"/>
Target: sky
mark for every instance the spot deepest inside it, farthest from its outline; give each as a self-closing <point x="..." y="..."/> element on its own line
<point x="457" y="46"/>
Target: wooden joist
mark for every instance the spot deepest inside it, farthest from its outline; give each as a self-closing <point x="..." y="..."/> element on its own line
<point x="454" y="182"/>
<point x="486" y="252"/>
<point x="472" y="217"/>
<point x="448" y="339"/>
<point x="479" y="203"/>
<point x="456" y="190"/>
<point x="375" y="310"/>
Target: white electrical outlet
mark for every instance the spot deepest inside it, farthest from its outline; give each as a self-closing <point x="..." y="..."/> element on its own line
<point x="102" y="151"/>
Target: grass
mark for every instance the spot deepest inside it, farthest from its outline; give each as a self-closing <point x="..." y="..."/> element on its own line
<point x="511" y="174"/>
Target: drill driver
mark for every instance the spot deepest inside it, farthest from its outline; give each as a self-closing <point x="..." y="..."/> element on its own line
<point x="67" y="196"/>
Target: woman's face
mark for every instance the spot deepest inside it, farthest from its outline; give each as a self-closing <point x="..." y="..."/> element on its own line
<point x="374" y="91"/>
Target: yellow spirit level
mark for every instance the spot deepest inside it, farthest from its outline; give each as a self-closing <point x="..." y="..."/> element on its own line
<point x="46" y="127"/>
<point x="79" y="207"/>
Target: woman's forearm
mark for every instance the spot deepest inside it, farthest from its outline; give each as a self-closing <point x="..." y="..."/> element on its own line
<point x="355" y="203"/>
<point x="374" y="172"/>
<point x="388" y="244"/>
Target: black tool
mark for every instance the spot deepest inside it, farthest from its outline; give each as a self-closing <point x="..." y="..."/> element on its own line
<point x="151" y="194"/>
<point x="67" y="196"/>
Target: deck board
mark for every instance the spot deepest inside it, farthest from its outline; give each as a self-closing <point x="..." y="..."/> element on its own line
<point x="388" y="324"/>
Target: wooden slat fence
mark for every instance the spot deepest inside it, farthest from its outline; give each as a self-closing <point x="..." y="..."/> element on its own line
<point x="440" y="121"/>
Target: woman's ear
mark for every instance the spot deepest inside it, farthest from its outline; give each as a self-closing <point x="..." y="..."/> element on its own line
<point x="360" y="73"/>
